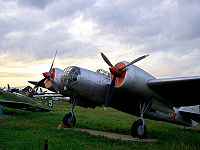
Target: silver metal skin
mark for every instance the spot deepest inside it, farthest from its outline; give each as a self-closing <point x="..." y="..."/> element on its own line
<point x="57" y="78"/>
<point x="92" y="87"/>
<point x="88" y="84"/>
<point x="136" y="89"/>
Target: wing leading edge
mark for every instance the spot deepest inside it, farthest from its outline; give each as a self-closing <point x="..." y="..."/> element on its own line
<point x="182" y="91"/>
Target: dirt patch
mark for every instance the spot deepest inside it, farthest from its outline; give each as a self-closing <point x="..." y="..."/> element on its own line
<point x="113" y="135"/>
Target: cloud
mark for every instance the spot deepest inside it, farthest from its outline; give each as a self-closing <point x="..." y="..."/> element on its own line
<point x="16" y="74"/>
<point x="140" y="23"/>
<point x="39" y="4"/>
<point x="31" y="31"/>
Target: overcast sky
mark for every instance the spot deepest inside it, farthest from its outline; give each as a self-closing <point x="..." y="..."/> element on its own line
<point x="32" y="30"/>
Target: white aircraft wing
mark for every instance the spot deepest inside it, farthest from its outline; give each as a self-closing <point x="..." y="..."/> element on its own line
<point x="49" y="95"/>
<point x="182" y="91"/>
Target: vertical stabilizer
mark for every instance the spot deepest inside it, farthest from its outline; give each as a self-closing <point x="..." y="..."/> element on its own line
<point x="191" y="109"/>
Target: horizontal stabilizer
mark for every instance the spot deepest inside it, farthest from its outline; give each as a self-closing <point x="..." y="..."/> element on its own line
<point x="191" y="115"/>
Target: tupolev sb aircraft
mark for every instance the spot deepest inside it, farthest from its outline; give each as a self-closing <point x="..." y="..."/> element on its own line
<point x="129" y="89"/>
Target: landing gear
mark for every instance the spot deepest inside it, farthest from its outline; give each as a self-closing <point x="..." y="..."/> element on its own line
<point x="69" y="119"/>
<point x="138" y="129"/>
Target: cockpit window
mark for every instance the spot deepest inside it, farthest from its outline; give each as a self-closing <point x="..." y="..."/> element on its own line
<point x="104" y="72"/>
<point x="69" y="75"/>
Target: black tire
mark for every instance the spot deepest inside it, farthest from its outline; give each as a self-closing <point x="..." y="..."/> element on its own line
<point x="135" y="127"/>
<point x="69" y="121"/>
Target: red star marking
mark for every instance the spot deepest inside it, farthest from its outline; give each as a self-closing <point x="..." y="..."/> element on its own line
<point x="174" y="115"/>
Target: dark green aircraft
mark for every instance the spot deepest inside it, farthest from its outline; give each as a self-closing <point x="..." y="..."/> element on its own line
<point x="22" y="100"/>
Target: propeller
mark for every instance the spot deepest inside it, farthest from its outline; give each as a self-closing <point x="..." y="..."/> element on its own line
<point x="2" y="88"/>
<point x="8" y="86"/>
<point x="117" y="73"/>
<point x="48" y="76"/>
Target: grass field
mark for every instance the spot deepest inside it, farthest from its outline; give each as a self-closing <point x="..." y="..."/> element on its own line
<point x="22" y="130"/>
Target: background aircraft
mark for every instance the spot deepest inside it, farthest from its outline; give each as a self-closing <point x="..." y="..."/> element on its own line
<point x="127" y="88"/>
<point x="20" y="101"/>
<point x="12" y="89"/>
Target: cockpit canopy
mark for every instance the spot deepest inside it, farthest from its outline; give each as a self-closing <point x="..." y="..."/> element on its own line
<point x="69" y="75"/>
<point x="101" y="71"/>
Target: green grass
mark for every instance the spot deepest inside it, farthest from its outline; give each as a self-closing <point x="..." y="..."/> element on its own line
<point x="22" y="130"/>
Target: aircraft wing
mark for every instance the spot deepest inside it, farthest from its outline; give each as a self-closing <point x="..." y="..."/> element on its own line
<point x="182" y="91"/>
<point x="49" y="95"/>
<point x="15" y="100"/>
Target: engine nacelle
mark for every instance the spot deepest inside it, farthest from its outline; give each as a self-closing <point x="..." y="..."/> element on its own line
<point x="135" y="81"/>
<point x="56" y="76"/>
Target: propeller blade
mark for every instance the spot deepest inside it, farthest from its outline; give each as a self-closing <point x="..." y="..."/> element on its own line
<point x="53" y="61"/>
<point x="110" y="92"/>
<point x="8" y="86"/>
<point x="134" y="61"/>
<point x="54" y="85"/>
<point x="39" y="83"/>
<point x="106" y="60"/>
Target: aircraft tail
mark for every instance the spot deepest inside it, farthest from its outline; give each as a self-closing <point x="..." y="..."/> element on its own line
<point x="192" y="112"/>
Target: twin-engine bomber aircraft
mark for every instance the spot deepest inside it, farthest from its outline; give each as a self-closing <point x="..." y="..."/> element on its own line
<point x="130" y="89"/>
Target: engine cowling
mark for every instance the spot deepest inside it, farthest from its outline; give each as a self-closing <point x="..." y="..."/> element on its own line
<point x="56" y="76"/>
<point x="134" y="80"/>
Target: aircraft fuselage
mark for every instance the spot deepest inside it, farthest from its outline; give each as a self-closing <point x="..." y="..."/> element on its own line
<point x="91" y="87"/>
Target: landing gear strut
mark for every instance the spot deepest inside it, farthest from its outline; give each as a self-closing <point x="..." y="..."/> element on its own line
<point x="69" y="119"/>
<point x="138" y="129"/>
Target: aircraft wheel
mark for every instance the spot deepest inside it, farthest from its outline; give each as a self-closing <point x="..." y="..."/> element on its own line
<point x="69" y="120"/>
<point x="138" y="129"/>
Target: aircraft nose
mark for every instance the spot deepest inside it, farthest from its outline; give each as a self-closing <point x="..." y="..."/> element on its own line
<point x="115" y="71"/>
<point x="47" y="74"/>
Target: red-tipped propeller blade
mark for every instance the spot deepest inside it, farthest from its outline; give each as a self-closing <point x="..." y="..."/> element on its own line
<point x="53" y="61"/>
<point x="106" y="60"/>
<point x="39" y="83"/>
<point x="117" y="73"/>
<point x="48" y="76"/>
<point x="134" y="61"/>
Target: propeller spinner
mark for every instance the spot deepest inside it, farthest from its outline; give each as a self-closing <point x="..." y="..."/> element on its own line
<point x="48" y="76"/>
<point x="116" y="72"/>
